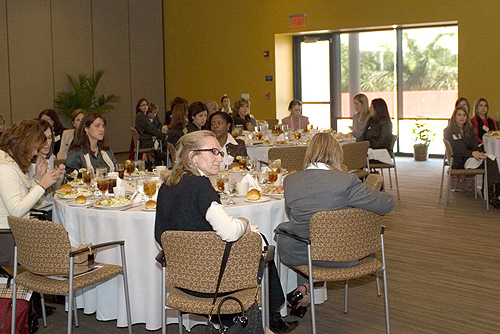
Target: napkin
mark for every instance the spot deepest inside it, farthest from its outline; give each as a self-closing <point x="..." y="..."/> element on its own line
<point x="281" y="137"/>
<point x="473" y="163"/>
<point x="252" y="184"/>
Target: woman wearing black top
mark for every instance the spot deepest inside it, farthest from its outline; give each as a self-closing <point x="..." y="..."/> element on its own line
<point x="197" y="115"/>
<point x="51" y="116"/>
<point x="177" y="127"/>
<point x="462" y="137"/>
<point x="187" y="201"/>
<point x="241" y="115"/>
<point x="378" y="131"/>
<point x="147" y="123"/>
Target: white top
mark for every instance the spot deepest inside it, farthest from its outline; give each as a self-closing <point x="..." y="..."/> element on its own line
<point x="18" y="193"/>
<point x="228" y="159"/>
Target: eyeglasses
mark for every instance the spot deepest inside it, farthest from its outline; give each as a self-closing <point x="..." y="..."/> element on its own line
<point x="214" y="151"/>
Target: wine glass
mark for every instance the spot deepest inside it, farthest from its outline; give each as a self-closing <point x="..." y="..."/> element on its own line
<point x="230" y="190"/>
<point x="139" y="185"/>
<point x="251" y="164"/>
<point x="150" y="188"/>
<point x="220" y="181"/>
<point x="120" y="168"/>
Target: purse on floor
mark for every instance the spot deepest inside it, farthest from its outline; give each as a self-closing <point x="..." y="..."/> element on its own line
<point x="247" y="322"/>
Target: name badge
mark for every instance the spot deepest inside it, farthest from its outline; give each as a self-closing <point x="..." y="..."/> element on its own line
<point x="485" y="128"/>
<point x="57" y="138"/>
<point x="456" y="137"/>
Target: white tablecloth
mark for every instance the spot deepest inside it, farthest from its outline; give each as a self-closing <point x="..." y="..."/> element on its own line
<point x="136" y="227"/>
<point x="492" y="146"/>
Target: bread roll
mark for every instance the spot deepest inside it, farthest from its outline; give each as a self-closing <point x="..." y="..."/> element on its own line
<point x="253" y="195"/>
<point x="150" y="205"/>
<point x="235" y="167"/>
<point x="66" y="188"/>
<point x="81" y="200"/>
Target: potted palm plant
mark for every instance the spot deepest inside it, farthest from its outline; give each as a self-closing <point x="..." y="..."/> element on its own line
<point x="84" y="96"/>
<point x="422" y="137"/>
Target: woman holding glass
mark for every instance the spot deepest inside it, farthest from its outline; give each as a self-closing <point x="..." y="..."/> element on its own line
<point x="187" y="201"/>
<point x="89" y="149"/>
<point x="324" y="185"/>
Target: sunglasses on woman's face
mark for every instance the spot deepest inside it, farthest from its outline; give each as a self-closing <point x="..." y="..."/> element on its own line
<point x="214" y="151"/>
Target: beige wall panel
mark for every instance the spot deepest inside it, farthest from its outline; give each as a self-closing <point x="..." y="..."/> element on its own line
<point x="30" y="53"/>
<point x="4" y="67"/>
<point x="72" y="41"/>
<point x="111" y="54"/>
<point x="146" y="53"/>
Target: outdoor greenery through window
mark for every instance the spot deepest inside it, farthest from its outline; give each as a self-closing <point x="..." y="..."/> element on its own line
<point x="427" y="74"/>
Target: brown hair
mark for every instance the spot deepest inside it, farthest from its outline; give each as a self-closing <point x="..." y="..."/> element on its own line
<point x="82" y="140"/>
<point x="184" y="155"/>
<point x="77" y="112"/>
<point x="20" y="140"/>
<point x="476" y="105"/>
<point x="468" y="129"/>
<point x="326" y="149"/>
<point x="239" y="103"/>
<point x="179" y="114"/>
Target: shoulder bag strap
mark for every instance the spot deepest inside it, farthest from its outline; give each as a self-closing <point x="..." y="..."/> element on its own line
<point x="225" y="257"/>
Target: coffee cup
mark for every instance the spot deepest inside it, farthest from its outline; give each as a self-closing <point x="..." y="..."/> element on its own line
<point x="242" y="188"/>
<point x="160" y="169"/>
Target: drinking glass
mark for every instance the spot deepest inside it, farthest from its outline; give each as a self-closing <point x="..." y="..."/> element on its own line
<point x="129" y="168"/>
<point x="272" y="176"/>
<point x="139" y="185"/>
<point x="112" y="178"/>
<point x="230" y="190"/>
<point x="120" y="168"/>
<point x="87" y="177"/>
<point x="101" y="172"/>
<point x="141" y="165"/>
<point x="150" y="188"/>
<point x="103" y="186"/>
<point x="220" y="181"/>
<point x="243" y="162"/>
<point x="252" y="164"/>
<point x="262" y="177"/>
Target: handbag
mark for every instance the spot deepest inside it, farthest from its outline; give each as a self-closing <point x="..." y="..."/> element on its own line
<point x="247" y="322"/>
<point x="26" y="322"/>
<point x="84" y="261"/>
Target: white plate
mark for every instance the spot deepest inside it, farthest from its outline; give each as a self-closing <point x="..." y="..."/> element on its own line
<point x="262" y="199"/>
<point x="116" y="207"/>
<point x="81" y="205"/>
<point x="144" y="209"/>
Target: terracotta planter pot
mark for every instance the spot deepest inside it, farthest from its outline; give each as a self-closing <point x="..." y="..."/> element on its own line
<point x="420" y="152"/>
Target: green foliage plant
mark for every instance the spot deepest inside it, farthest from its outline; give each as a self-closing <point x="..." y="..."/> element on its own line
<point x="84" y="96"/>
<point x="422" y="135"/>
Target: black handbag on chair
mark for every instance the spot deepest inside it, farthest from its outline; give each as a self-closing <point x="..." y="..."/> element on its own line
<point x="247" y="322"/>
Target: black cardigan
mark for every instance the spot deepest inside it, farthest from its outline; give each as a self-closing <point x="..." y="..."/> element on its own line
<point x="378" y="134"/>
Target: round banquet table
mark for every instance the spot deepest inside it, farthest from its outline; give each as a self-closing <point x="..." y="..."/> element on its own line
<point x="136" y="227"/>
<point x="492" y="146"/>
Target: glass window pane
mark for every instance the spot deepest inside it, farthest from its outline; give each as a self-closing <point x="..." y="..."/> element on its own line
<point x="315" y="71"/>
<point x="343" y="125"/>
<point x="406" y="138"/>
<point x="430" y="72"/>
<point x="319" y="114"/>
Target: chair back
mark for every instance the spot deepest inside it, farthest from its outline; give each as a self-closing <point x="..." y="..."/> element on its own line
<point x="292" y="158"/>
<point x="193" y="261"/>
<point x="393" y="142"/>
<point x="135" y="135"/>
<point x="272" y="122"/>
<point x="448" y="152"/>
<point x="374" y="181"/>
<point x="356" y="155"/>
<point x="171" y="153"/>
<point x="344" y="235"/>
<point x="43" y="247"/>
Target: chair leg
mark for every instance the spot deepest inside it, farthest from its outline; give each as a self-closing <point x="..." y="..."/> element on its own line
<point x="448" y="190"/>
<point x="71" y="294"/>
<point x="265" y="301"/>
<point x="44" y="312"/>
<point x="163" y="303"/>
<point x="311" y="289"/>
<point x="390" y="177"/>
<point x="486" y="187"/>
<point x="346" y="287"/>
<point x="475" y="186"/>
<point x="125" y="287"/>
<point x="442" y="179"/>
<point x="378" y="283"/>
<point x="384" y="278"/>
<point x="75" y="310"/>
<point x="179" y="318"/>
<point x="14" y="295"/>
<point x="396" y="178"/>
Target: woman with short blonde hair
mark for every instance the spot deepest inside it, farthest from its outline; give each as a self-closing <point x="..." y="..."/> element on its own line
<point x="324" y="148"/>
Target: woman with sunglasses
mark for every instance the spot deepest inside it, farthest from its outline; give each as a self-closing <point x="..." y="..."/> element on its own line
<point x="187" y="201"/>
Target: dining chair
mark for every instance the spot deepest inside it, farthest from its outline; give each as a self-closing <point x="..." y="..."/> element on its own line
<point x="191" y="261"/>
<point x="135" y="137"/>
<point x="171" y="153"/>
<point x="272" y="122"/>
<point x="374" y="181"/>
<point x="382" y="165"/>
<point x="356" y="158"/>
<point x="44" y="251"/>
<point x="455" y="173"/>
<point x="292" y="157"/>
<point x="343" y="236"/>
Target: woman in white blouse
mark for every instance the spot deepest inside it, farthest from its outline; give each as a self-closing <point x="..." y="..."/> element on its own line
<point x="68" y="134"/>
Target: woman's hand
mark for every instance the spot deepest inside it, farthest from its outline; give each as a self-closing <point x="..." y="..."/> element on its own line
<point x="246" y="222"/>
<point x="40" y="167"/>
<point x="48" y="179"/>
<point x="60" y="171"/>
<point x="479" y="155"/>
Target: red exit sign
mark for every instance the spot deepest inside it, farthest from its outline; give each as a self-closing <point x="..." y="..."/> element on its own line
<point x="297" y="20"/>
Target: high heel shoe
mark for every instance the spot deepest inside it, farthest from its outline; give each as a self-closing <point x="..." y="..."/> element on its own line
<point x="293" y="298"/>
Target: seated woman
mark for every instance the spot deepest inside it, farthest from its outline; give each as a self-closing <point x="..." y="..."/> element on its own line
<point x="378" y="130"/>
<point x="177" y="127"/>
<point x="242" y="115"/>
<point x="147" y="124"/>
<point x="221" y="125"/>
<point x="51" y="116"/>
<point x="197" y="115"/>
<point x="187" y="201"/>
<point x="69" y="134"/>
<point x="19" y="144"/>
<point x="360" y="118"/>
<point x="462" y="101"/>
<point x="89" y="149"/>
<point x="295" y="121"/>
<point x="226" y="105"/>
<point x="45" y="161"/>
<point x="481" y="122"/>
<point x="462" y="137"/>
<point x="324" y="185"/>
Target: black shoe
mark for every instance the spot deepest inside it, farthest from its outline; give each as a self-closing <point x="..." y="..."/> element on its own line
<point x="278" y="325"/>
<point x="293" y="298"/>
<point x="298" y="311"/>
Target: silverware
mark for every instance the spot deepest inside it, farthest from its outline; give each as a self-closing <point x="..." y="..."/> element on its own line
<point x="131" y="207"/>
